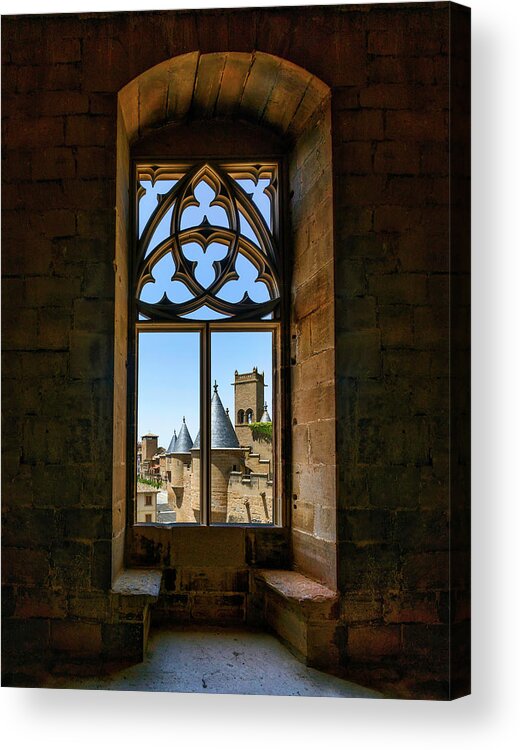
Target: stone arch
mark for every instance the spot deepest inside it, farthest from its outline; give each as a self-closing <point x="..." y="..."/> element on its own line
<point x="277" y="96"/>
<point x="260" y="88"/>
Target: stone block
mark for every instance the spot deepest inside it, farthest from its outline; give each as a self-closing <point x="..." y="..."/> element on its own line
<point x="325" y="522"/>
<point x="397" y="158"/>
<point x="87" y="523"/>
<point x="426" y="571"/>
<point x="100" y="576"/>
<point x="364" y="525"/>
<point x="40" y="602"/>
<point x="411" y="609"/>
<point x="35" y="133"/>
<point x="396" y="323"/>
<point x="360" y="125"/>
<point x="53" y="291"/>
<point x="410" y="364"/>
<point x="218" y="608"/>
<point x="315" y="558"/>
<point x="314" y="293"/>
<point x="366" y="246"/>
<point x="322" y="328"/>
<point x="360" y="608"/>
<point x="373" y="641"/>
<point x="23" y="638"/>
<point x="172" y="608"/>
<point x="89" y="606"/>
<point x="318" y="403"/>
<point x="53" y="328"/>
<point x="355" y="314"/>
<point x="323" y="644"/>
<point x="318" y="370"/>
<point x="399" y="288"/>
<point x="361" y="191"/>
<point x="322" y="442"/>
<point x="71" y="565"/>
<point x="370" y="567"/>
<point x="93" y="162"/>
<point x="317" y="482"/>
<point x="29" y="527"/>
<point x="350" y="277"/>
<point x="91" y="355"/>
<point x="430" y="642"/>
<point x="416" y="126"/>
<point x="425" y="530"/>
<point x="80" y="639"/>
<point x="431" y="327"/>
<point x="20" y="329"/>
<point x="302" y="516"/>
<point x="355" y="157"/>
<point x="25" y="566"/>
<point x="359" y="354"/>
<point x="93" y="315"/>
<point x="123" y="641"/>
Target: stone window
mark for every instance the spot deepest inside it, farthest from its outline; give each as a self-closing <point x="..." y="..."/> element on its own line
<point x="147" y="499"/>
<point x="207" y="269"/>
<point x="205" y="108"/>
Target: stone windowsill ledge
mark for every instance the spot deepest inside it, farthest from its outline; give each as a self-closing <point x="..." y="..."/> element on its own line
<point x="138" y="582"/>
<point x="312" y="597"/>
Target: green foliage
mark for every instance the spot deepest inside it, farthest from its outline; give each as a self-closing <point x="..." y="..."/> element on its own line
<point x="151" y="482"/>
<point x="262" y="431"/>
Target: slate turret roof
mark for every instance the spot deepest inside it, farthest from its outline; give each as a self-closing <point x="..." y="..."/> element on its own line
<point x="171" y="447"/>
<point x="184" y="443"/>
<point x="223" y="434"/>
<point x="265" y="416"/>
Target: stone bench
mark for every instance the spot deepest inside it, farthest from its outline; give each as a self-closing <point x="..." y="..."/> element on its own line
<point x="302" y="612"/>
<point x="132" y="593"/>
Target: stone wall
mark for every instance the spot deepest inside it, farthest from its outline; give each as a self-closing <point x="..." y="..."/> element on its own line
<point x="376" y="264"/>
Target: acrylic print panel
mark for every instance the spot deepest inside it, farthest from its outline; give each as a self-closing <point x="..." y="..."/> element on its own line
<point x="358" y="116"/>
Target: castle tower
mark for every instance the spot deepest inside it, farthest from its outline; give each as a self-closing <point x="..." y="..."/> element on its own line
<point x="149" y="446"/>
<point x="226" y="456"/>
<point x="249" y="402"/>
<point x="179" y="462"/>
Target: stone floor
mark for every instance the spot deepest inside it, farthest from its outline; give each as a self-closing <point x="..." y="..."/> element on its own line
<point x="214" y="660"/>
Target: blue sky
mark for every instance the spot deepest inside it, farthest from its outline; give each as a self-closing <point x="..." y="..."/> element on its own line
<point x="232" y="291"/>
<point x="168" y="379"/>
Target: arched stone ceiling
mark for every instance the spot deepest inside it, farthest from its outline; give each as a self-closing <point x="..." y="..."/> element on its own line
<point x="257" y="87"/>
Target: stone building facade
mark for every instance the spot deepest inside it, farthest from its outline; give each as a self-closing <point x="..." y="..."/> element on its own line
<point x="368" y="108"/>
<point x="146" y="503"/>
<point x="241" y="467"/>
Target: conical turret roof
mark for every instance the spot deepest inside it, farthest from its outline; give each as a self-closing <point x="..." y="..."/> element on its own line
<point x="265" y="416"/>
<point x="171" y="447"/>
<point x="223" y="434"/>
<point x="184" y="443"/>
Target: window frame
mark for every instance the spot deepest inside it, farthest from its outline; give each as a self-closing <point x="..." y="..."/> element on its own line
<point x="279" y="327"/>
